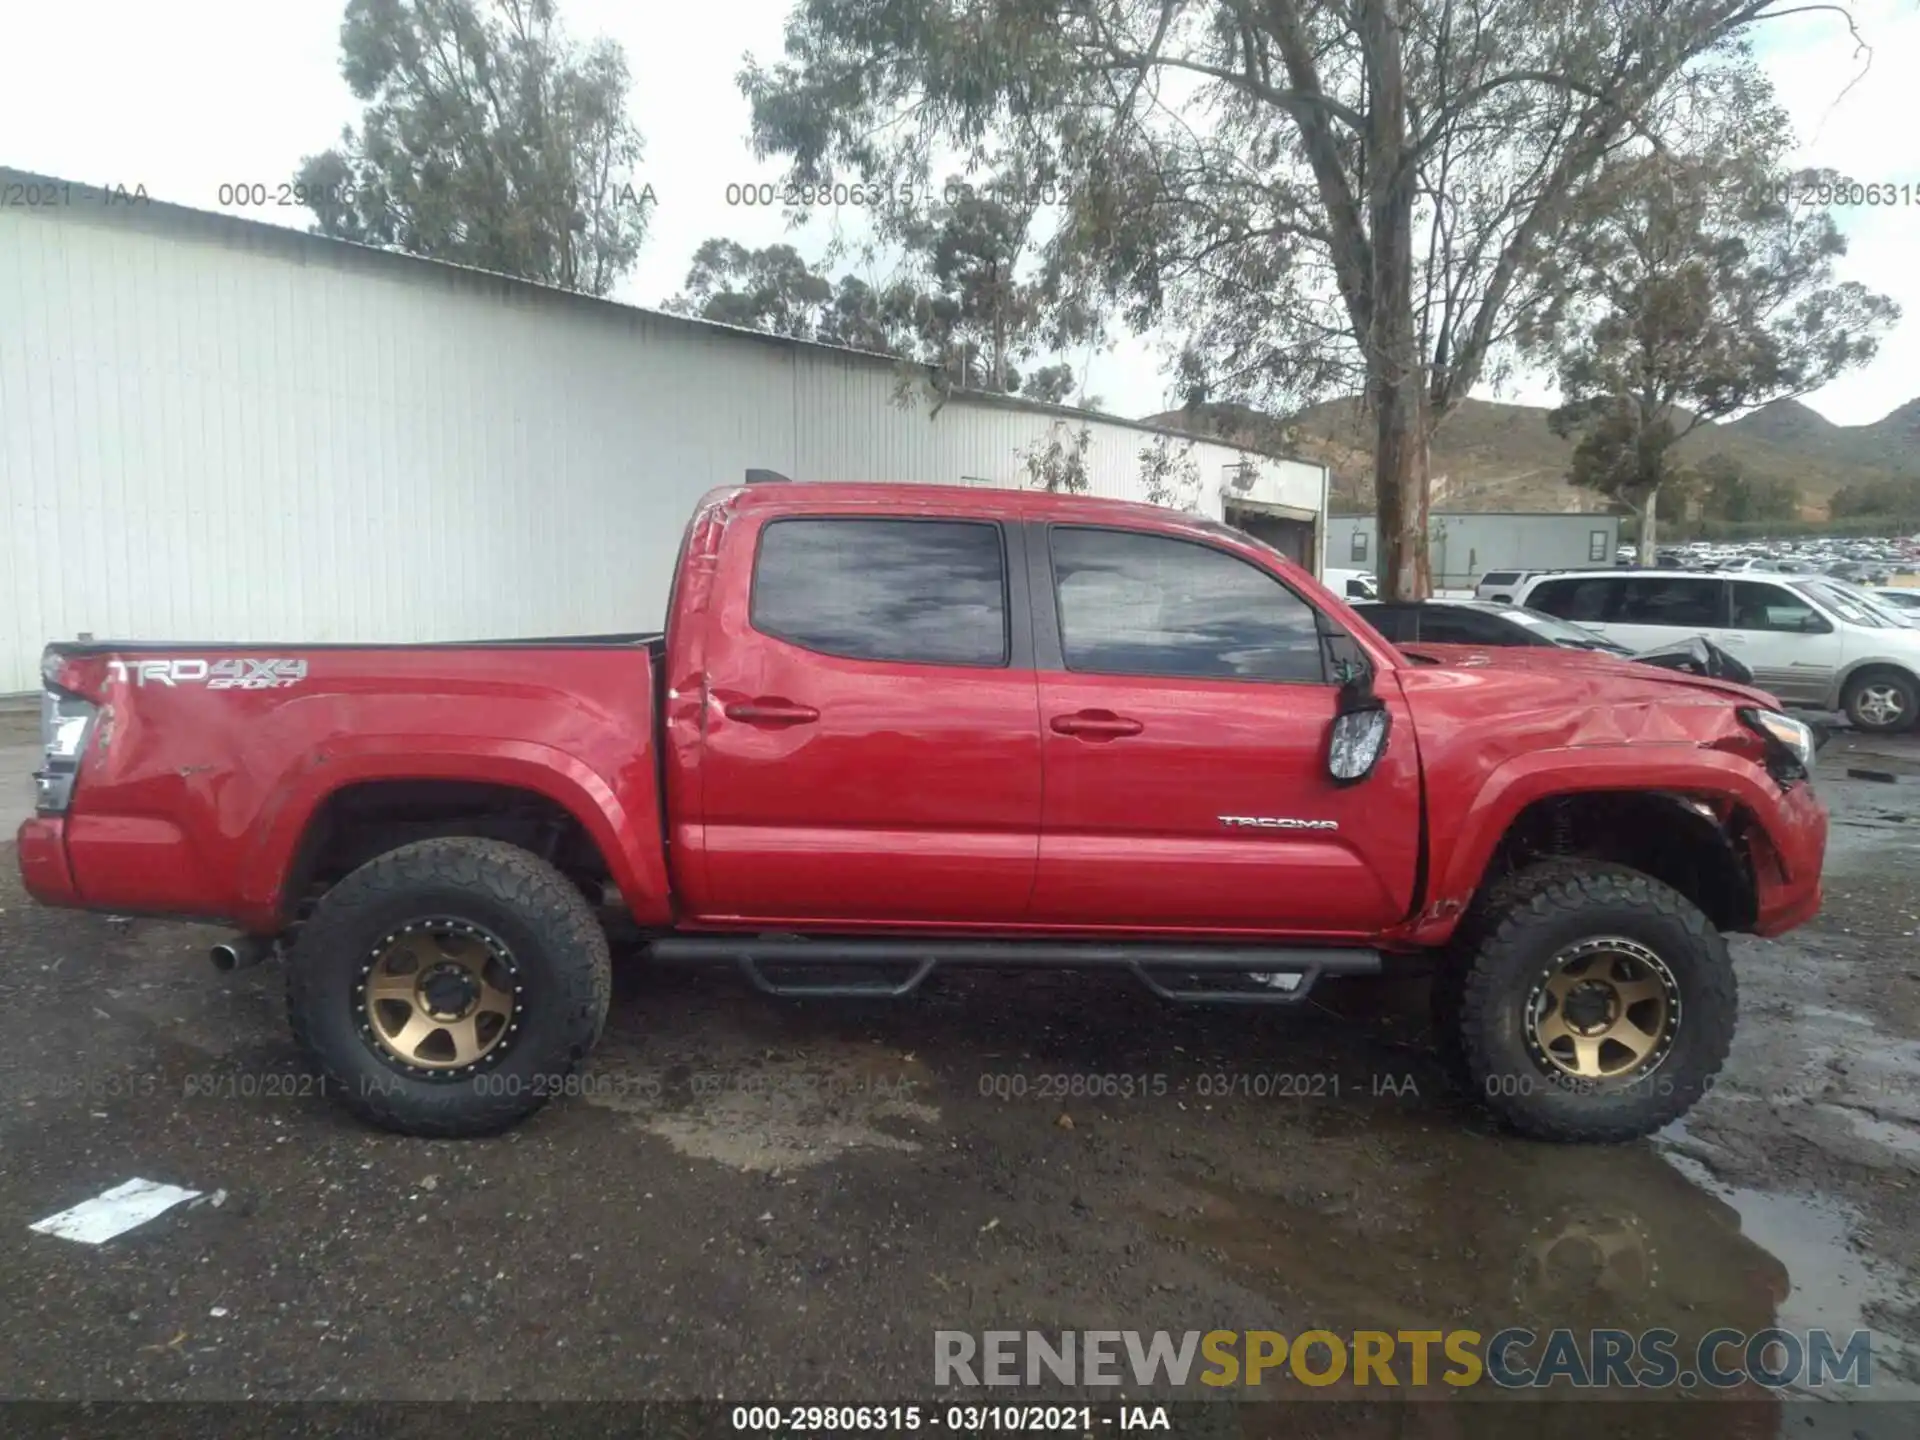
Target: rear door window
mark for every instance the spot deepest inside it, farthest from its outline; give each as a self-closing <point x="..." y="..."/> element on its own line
<point x="931" y="592"/>
<point x="1390" y="620"/>
<point x="1588" y="600"/>
<point x="1682" y="602"/>
<point x="1445" y="625"/>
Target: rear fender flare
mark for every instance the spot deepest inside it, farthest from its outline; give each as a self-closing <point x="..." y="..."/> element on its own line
<point x="616" y="821"/>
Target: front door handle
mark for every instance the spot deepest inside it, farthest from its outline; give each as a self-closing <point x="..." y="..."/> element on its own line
<point x="1096" y="725"/>
<point x="770" y="710"/>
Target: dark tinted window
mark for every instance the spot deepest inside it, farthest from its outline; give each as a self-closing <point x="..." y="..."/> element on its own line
<point x="1133" y="604"/>
<point x="930" y="591"/>
<point x="1499" y="577"/>
<point x="1757" y="606"/>
<point x="1586" y="599"/>
<point x="1445" y="625"/>
<point x="1678" y="600"/>
<point x="1392" y="621"/>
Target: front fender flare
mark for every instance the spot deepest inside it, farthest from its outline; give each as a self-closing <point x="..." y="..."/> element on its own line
<point x="1526" y="779"/>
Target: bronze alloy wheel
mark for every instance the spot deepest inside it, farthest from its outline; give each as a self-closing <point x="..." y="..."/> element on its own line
<point x="439" y="996"/>
<point x="1603" y="1009"/>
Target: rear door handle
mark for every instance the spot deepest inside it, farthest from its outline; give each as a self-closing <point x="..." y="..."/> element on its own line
<point x="1096" y="725"/>
<point x="771" y="711"/>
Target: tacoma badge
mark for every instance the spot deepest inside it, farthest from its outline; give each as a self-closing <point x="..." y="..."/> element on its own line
<point x="1279" y="822"/>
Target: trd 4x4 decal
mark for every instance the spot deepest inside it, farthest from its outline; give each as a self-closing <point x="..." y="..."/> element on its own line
<point x="214" y="674"/>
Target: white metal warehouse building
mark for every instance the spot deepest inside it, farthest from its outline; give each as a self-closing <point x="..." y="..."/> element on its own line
<point x="215" y="429"/>
<point x="1463" y="545"/>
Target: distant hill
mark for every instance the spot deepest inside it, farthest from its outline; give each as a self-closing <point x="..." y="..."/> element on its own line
<point x="1891" y="442"/>
<point x="1494" y="456"/>
<point x="1788" y="423"/>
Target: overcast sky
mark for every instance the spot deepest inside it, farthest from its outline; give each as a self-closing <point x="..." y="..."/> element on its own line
<point x="185" y="97"/>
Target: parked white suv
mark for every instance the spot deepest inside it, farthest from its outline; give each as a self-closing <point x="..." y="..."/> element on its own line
<point x="1805" y="637"/>
<point x="1506" y="585"/>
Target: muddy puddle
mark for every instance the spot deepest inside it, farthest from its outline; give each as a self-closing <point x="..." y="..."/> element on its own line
<point x="1399" y="1225"/>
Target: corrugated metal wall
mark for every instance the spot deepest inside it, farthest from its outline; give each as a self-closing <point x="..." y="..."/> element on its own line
<point x="222" y="431"/>
<point x="1464" y="545"/>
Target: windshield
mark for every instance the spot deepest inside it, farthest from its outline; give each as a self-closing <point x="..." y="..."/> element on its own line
<point x="1882" y="605"/>
<point x="1851" y="604"/>
<point x="1562" y="632"/>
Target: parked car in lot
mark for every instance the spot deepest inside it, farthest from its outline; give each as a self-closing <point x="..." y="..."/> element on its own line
<point x="1480" y="622"/>
<point x="1352" y="584"/>
<point x="1810" y="640"/>
<point x="1903" y="600"/>
<point x="890" y="728"/>
<point x="1505" y="585"/>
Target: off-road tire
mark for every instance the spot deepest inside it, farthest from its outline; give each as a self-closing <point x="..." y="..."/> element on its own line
<point x="1448" y="997"/>
<point x="1532" y="917"/>
<point x="557" y="946"/>
<point x="1860" y="686"/>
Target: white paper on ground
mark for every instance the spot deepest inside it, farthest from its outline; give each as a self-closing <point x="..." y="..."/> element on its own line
<point x="113" y="1213"/>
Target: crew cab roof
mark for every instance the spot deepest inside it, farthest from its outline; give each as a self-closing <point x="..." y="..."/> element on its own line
<point x="976" y="499"/>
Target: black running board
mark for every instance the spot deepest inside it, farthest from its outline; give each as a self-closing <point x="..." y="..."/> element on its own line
<point x="1156" y="966"/>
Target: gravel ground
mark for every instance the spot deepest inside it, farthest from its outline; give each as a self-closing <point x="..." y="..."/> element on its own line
<point x="762" y="1199"/>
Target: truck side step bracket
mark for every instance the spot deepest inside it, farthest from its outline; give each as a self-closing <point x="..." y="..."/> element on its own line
<point x="875" y="989"/>
<point x="1253" y="975"/>
<point x="1287" y="986"/>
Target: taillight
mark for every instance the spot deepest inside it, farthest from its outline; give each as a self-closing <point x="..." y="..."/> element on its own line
<point x="66" y="724"/>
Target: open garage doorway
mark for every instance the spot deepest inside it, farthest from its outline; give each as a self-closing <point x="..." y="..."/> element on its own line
<point x="1287" y="529"/>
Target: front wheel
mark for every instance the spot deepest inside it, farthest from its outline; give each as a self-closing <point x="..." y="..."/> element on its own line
<point x="1597" y="1005"/>
<point x="449" y="987"/>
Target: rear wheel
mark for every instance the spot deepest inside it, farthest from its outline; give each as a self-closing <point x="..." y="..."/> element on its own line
<point x="1881" y="701"/>
<point x="450" y="987"/>
<point x="1597" y="1004"/>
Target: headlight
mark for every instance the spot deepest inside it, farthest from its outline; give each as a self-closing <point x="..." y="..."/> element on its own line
<point x="1788" y="733"/>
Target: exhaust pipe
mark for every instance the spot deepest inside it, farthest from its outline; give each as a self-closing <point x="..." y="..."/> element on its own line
<point x="241" y="951"/>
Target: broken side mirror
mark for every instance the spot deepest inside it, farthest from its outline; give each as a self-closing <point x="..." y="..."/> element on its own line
<point x="1359" y="733"/>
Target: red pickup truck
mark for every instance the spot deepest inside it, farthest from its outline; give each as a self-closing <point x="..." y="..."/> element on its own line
<point x="890" y="728"/>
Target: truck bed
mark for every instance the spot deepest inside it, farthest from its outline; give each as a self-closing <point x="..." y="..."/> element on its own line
<point x="214" y="771"/>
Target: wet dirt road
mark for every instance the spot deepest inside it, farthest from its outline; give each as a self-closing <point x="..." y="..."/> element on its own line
<point x="759" y="1199"/>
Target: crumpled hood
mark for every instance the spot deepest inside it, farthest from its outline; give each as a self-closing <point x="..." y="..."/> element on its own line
<point x="1548" y="659"/>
